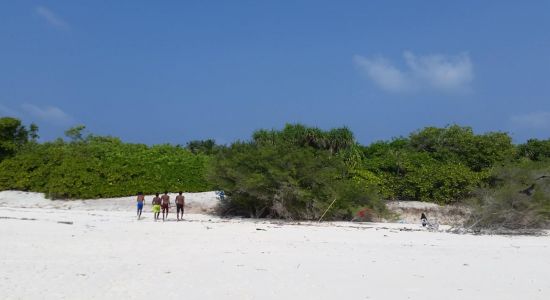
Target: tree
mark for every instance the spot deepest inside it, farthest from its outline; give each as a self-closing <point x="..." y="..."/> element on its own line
<point x="293" y="173"/>
<point x="75" y="133"/>
<point x="13" y="135"/>
<point x="436" y="164"/>
<point x="460" y="144"/>
<point x="334" y="140"/>
<point x="207" y="147"/>
<point x="535" y="149"/>
<point x="33" y="132"/>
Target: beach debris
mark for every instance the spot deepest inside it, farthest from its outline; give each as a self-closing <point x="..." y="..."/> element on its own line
<point x="23" y="219"/>
<point x="364" y="215"/>
<point x="65" y="222"/>
<point x="260" y="229"/>
<point x="321" y="218"/>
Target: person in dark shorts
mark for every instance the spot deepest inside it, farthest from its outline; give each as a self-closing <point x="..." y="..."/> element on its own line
<point x="156" y="206"/>
<point x="165" y="205"/>
<point x="180" y="204"/>
<point x="140" y="200"/>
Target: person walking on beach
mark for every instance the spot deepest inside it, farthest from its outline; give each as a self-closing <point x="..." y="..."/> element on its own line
<point x="140" y="200"/>
<point x="180" y="204"/>
<point x="165" y="204"/>
<point x="156" y="206"/>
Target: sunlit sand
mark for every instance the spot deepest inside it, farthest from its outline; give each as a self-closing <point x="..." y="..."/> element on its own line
<point x="97" y="249"/>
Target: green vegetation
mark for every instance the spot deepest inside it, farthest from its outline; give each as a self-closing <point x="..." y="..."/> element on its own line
<point x="535" y="150"/>
<point x="443" y="165"/>
<point x="293" y="174"/>
<point x="297" y="172"/>
<point x="92" y="167"/>
<point x="207" y="147"/>
<point x="13" y="136"/>
<point x="517" y="198"/>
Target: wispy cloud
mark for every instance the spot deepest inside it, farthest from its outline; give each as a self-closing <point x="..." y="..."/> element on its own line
<point x="533" y="120"/>
<point x="431" y="72"/>
<point x="49" y="113"/>
<point x="52" y="18"/>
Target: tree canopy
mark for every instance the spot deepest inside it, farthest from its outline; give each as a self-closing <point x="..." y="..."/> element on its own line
<point x="294" y="173"/>
<point x="13" y="135"/>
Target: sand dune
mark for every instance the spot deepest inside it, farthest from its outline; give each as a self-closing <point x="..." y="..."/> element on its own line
<point x="194" y="202"/>
<point x="96" y="249"/>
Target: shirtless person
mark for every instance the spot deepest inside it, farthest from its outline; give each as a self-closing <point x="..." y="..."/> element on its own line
<point x="165" y="205"/>
<point x="156" y="206"/>
<point x="180" y="203"/>
<point x="140" y="200"/>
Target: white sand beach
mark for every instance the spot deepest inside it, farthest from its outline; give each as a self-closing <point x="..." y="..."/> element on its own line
<point x="96" y="249"/>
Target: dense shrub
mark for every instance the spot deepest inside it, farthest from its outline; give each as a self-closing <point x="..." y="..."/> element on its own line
<point x="442" y="165"/>
<point x="460" y="144"/>
<point x="535" y="149"/>
<point x="518" y="198"/>
<point x="102" y="167"/>
<point x="13" y="136"/>
<point x="408" y="175"/>
<point x="292" y="174"/>
<point x="207" y="147"/>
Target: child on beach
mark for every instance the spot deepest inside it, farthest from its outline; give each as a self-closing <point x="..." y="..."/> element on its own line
<point x="424" y="220"/>
<point x="156" y="206"/>
<point x="140" y="200"/>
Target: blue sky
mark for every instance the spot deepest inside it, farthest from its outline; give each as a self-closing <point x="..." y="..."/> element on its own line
<point x="174" y="71"/>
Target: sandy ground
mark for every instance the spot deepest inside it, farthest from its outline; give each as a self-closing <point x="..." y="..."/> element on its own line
<point x="410" y="211"/>
<point x="98" y="250"/>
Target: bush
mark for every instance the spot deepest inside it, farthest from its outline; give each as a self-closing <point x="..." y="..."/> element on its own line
<point x="460" y="144"/>
<point x="535" y="149"/>
<point x="13" y="136"/>
<point x="442" y="165"/>
<point x="519" y="198"/>
<point x="103" y="167"/>
<point x="287" y="174"/>
<point x="406" y="174"/>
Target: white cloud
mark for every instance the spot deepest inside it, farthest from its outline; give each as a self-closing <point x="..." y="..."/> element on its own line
<point x="384" y="74"/>
<point x="52" y="18"/>
<point x="431" y="72"/>
<point x="536" y="120"/>
<point x="49" y="113"/>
